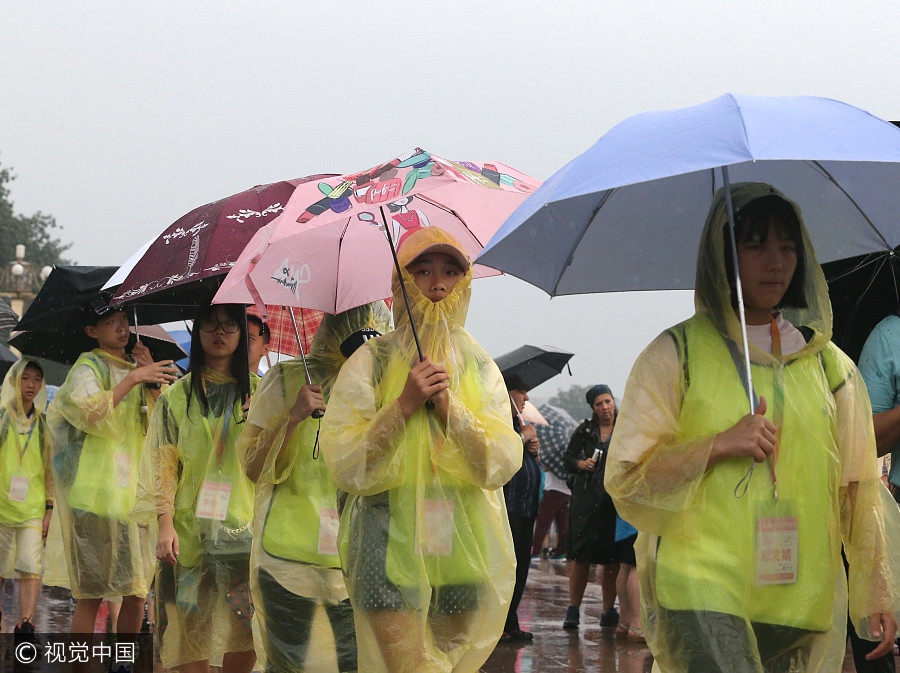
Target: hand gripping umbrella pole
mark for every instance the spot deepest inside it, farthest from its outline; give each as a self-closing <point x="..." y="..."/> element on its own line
<point x="726" y="182"/>
<point x="317" y="413"/>
<point x="412" y="321"/>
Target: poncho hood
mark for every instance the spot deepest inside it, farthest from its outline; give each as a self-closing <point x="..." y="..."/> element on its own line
<point x="11" y="396"/>
<point x="712" y="293"/>
<point x="326" y="356"/>
<point x="434" y="320"/>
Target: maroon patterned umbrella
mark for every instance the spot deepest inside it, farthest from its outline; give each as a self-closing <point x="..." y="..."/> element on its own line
<point x="186" y="263"/>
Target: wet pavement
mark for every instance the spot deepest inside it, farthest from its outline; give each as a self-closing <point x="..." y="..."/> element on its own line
<point x="590" y="648"/>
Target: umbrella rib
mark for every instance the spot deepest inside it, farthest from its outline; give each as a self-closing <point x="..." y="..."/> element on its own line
<point x="337" y="275"/>
<point x="863" y="294"/>
<point x="450" y="211"/>
<point x="894" y="276"/>
<point x="855" y="204"/>
<point x="870" y="259"/>
<point x="606" y="197"/>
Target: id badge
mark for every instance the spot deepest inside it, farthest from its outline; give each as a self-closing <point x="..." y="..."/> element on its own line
<point x="328" y="531"/>
<point x="438" y="528"/>
<point x="212" y="503"/>
<point x="18" y="488"/>
<point x="777" y="544"/>
<point x="122" y="463"/>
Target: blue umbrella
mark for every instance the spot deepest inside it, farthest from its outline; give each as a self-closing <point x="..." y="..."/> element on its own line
<point x="628" y="213"/>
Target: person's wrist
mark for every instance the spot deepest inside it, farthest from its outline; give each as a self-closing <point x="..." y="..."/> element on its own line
<point x="406" y="407"/>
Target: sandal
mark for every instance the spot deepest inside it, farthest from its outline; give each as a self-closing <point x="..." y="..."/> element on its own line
<point x="636" y="635"/>
<point x="622" y="632"/>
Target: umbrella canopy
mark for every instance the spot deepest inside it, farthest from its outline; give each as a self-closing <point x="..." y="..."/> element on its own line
<point x="68" y="292"/>
<point x="328" y="249"/>
<point x="127" y="266"/>
<point x="283" y="339"/>
<point x="530" y="414"/>
<point x="533" y="364"/>
<point x="628" y="213"/>
<point x="864" y="290"/>
<point x="184" y="264"/>
<point x="8" y="317"/>
<point x="7" y="358"/>
<point x="66" y="346"/>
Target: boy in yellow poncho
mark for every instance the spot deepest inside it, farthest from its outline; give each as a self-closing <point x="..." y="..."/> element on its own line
<point x="98" y="420"/>
<point x="26" y="486"/>
<point x="294" y="566"/>
<point x="424" y="448"/>
<point x="734" y="577"/>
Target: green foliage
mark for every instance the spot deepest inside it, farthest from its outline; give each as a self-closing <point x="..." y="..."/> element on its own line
<point x="37" y="232"/>
<point x="572" y="400"/>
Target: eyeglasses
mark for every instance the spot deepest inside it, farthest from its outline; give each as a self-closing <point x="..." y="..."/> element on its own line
<point x="227" y="326"/>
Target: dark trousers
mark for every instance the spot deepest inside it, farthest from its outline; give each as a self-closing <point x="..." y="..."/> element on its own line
<point x="554" y="507"/>
<point x="287" y="621"/>
<point x="716" y="642"/>
<point x="861" y="647"/>
<point x="522" y="529"/>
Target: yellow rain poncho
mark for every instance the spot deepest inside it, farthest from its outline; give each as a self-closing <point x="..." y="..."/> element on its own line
<point x="25" y="480"/>
<point x="96" y="462"/>
<point x="424" y="539"/>
<point x="726" y="573"/>
<point x="294" y="565"/>
<point x="203" y="602"/>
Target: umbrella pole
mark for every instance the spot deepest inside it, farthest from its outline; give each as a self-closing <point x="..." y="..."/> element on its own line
<point x="737" y="283"/>
<point x="729" y="206"/>
<point x="518" y="413"/>
<point x="317" y="413"/>
<point x="137" y="334"/>
<point x="412" y="322"/>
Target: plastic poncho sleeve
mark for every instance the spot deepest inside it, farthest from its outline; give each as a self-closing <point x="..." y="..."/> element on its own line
<point x="650" y="473"/>
<point x="479" y="444"/>
<point x="265" y="455"/>
<point x="368" y="461"/>
<point x="87" y="405"/>
<point x="481" y="440"/>
<point x="159" y="465"/>
<point x="867" y="509"/>
<point x="49" y="487"/>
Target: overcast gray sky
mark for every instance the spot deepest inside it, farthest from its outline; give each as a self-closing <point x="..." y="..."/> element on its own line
<point x="120" y="117"/>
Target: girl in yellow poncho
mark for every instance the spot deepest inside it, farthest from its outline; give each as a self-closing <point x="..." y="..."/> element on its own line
<point x="26" y="487"/>
<point x="294" y="566"/>
<point x="737" y="574"/>
<point x="204" y="503"/>
<point x="97" y="420"/>
<point x="424" y="540"/>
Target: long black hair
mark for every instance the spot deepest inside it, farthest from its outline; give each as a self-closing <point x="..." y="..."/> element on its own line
<point x="240" y="366"/>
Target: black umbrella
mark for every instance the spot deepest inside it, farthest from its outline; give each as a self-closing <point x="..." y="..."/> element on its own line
<point x="64" y="300"/>
<point x="66" y="346"/>
<point x="864" y="290"/>
<point x="534" y="365"/>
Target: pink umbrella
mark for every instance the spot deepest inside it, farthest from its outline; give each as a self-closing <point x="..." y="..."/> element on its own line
<point x="181" y="264"/>
<point x="328" y="250"/>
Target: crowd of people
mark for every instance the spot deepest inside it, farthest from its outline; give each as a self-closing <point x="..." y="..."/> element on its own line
<point x="379" y="505"/>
